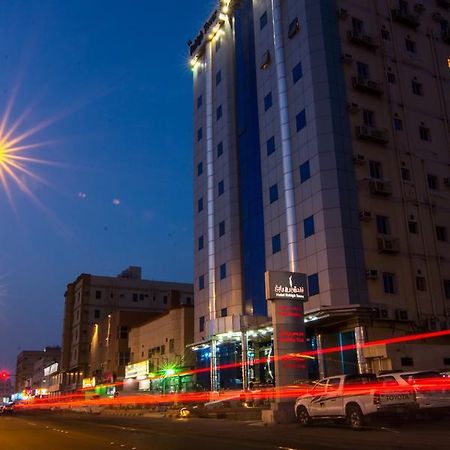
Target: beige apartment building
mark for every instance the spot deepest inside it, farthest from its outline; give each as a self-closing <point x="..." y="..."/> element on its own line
<point x="160" y="356"/>
<point x="90" y="299"/>
<point x="321" y="145"/>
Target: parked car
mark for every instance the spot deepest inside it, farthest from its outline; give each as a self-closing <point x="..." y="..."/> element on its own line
<point x="432" y="389"/>
<point x="352" y="398"/>
<point x="7" y="408"/>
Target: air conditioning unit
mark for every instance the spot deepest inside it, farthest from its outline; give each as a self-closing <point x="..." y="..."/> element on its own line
<point x="401" y="314"/>
<point x="365" y="215"/>
<point x="342" y="13"/>
<point x="382" y="313"/>
<point x="347" y="58"/>
<point x="372" y="274"/>
<point x="380" y="187"/>
<point x="386" y="245"/>
<point x="419" y="7"/>
<point x="358" y="158"/>
<point x="352" y="107"/>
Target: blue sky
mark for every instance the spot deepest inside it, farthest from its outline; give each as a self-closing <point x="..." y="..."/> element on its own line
<point x="113" y="78"/>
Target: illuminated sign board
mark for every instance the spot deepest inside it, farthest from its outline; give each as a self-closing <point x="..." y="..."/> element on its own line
<point x="88" y="382"/>
<point x="49" y="370"/>
<point x="198" y="41"/>
<point x="137" y="370"/>
<point x="286" y="285"/>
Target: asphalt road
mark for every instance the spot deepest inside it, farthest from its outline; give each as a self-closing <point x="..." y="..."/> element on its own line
<point x="50" y="431"/>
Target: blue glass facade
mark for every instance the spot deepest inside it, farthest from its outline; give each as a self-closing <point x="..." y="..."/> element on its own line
<point x="250" y="183"/>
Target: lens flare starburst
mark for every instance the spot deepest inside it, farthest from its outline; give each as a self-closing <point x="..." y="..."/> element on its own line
<point x="15" y="161"/>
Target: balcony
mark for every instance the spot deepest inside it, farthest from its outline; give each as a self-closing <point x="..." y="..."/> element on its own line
<point x="405" y="18"/>
<point x="446" y="36"/>
<point x="362" y="39"/>
<point x="367" y="85"/>
<point x="388" y="245"/>
<point x="373" y="134"/>
<point x="380" y="187"/>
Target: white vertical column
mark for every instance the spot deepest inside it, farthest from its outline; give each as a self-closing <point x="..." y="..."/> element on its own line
<point x="360" y="339"/>
<point x="210" y="185"/>
<point x="244" y="343"/>
<point x="288" y="180"/>
<point x="320" y="358"/>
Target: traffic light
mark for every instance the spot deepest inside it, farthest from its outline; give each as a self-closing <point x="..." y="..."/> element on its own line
<point x="4" y="375"/>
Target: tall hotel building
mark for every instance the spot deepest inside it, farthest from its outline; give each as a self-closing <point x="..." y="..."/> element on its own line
<point x="322" y="145"/>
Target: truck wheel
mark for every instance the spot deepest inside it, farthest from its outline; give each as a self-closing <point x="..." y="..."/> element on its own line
<point x="355" y="417"/>
<point x="303" y="417"/>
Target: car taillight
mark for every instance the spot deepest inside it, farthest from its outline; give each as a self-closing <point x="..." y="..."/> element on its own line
<point x="376" y="398"/>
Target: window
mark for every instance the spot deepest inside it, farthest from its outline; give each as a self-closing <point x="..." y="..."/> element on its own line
<point x="223" y="271"/>
<point x="313" y="284"/>
<point x="389" y="283"/>
<point x="441" y="233"/>
<point x="96" y="314"/>
<point x="199" y="168"/>
<point x="123" y="358"/>
<point x="368" y="118"/>
<point x="221" y="228"/>
<point x="218" y="77"/>
<point x="171" y="345"/>
<point x="432" y="181"/>
<point x="123" y="332"/>
<point x="270" y="146"/>
<point x="141" y="297"/>
<point x="135" y="297"/>
<point x="362" y="70"/>
<point x="410" y="45"/>
<point x="201" y="242"/>
<point x="447" y="288"/>
<point x="301" y="120"/>
<point x="305" y="172"/>
<point x="294" y="28"/>
<point x="406" y="361"/>
<point x="391" y="77"/>
<point x="201" y="324"/>
<point x="446" y="361"/>
<point x="297" y="72"/>
<point x="165" y="298"/>
<point x="218" y="44"/>
<point x="200" y="204"/>
<point x="201" y="282"/>
<point x="308" y="225"/>
<point x="219" y="112"/>
<point x="385" y="35"/>
<point x="421" y="284"/>
<point x="221" y="188"/>
<point x="406" y="174"/>
<point x="265" y="60"/>
<point x="413" y="227"/>
<point x="267" y="101"/>
<point x="273" y="193"/>
<point x="276" y="243"/>
<point x="163" y="349"/>
<point x="219" y="149"/>
<point x="382" y="224"/>
<point x="425" y="133"/>
<point x="357" y="25"/>
<point x="199" y="101"/>
<point x="224" y="312"/>
<point x="417" y="87"/>
<point x="375" y="170"/>
<point x="98" y="295"/>
<point x="263" y="20"/>
<point x="199" y="134"/>
<point x="398" y="124"/>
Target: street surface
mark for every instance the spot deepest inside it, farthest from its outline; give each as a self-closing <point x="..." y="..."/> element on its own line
<point x="51" y="431"/>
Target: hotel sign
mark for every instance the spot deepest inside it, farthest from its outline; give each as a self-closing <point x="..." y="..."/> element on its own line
<point x="198" y="41"/>
<point x="286" y="285"/>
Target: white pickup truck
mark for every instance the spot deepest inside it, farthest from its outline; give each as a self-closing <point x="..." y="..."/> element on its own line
<point x="353" y="398"/>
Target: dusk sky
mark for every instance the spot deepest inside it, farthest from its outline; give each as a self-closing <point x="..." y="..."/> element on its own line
<point x="113" y="78"/>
